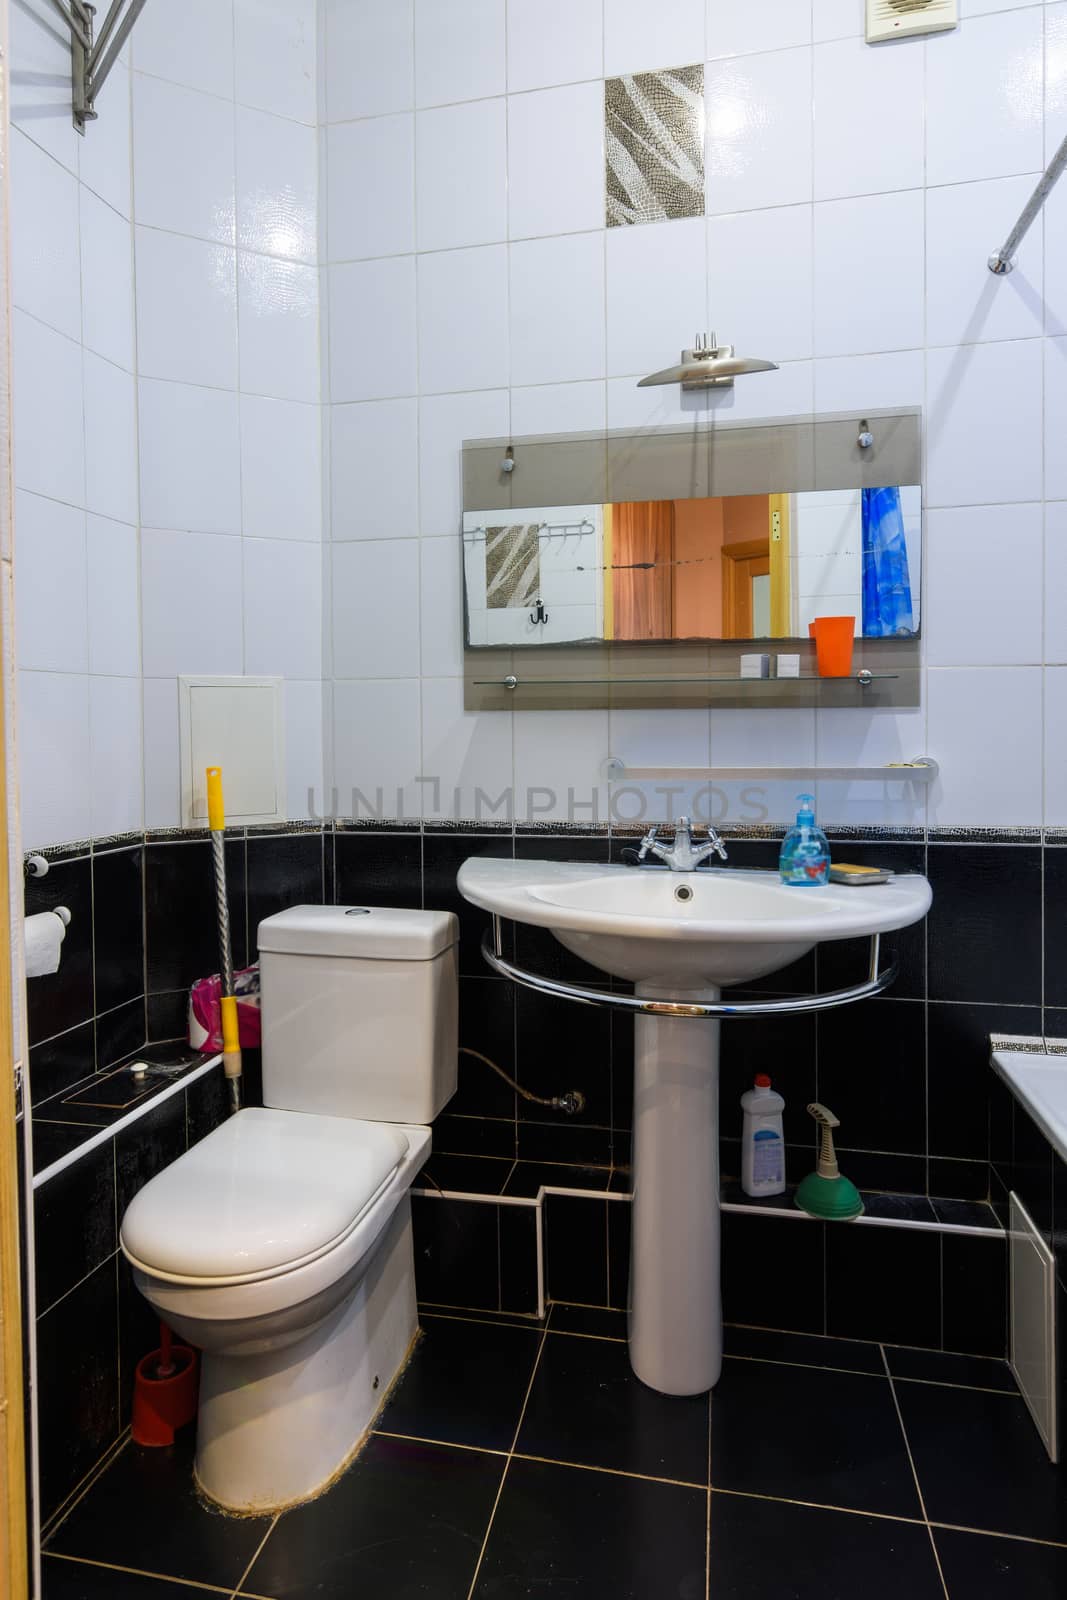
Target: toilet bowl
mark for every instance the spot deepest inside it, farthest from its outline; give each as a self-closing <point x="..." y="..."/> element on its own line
<point x="280" y="1245"/>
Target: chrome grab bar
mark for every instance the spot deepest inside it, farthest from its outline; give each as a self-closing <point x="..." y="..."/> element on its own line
<point x="642" y="1005"/>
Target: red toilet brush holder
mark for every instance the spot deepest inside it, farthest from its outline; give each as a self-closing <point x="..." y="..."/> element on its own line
<point x="165" y="1388"/>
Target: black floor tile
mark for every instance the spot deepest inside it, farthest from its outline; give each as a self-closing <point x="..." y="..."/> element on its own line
<point x="587" y="1407"/>
<point x="465" y="1384"/>
<point x="144" y="1512"/>
<point x="803" y="1349"/>
<point x="764" y="1548"/>
<point x="979" y="1567"/>
<point x="981" y="1463"/>
<point x="828" y="1437"/>
<point x="77" y="1580"/>
<point x="465" y="1174"/>
<point x="593" y="1321"/>
<point x="407" y="1519"/>
<point x="936" y="1366"/>
<point x="561" y="1531"/>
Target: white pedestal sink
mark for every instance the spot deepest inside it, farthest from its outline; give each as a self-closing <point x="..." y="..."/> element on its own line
<point x="680" y="938"/>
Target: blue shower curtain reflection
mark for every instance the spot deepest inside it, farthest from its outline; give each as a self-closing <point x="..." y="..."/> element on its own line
<point x="887" y="604"/>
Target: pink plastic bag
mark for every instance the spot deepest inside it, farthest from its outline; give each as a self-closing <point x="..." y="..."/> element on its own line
<point x="205" y="1026"/>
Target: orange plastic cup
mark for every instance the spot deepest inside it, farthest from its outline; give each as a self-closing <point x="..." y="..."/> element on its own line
<point x="833" y="645"/>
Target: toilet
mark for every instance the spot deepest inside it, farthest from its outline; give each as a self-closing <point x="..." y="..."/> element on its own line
<point x="280" y="1245"/>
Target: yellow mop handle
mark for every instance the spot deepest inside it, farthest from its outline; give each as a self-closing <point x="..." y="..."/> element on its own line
<point x="216" y="811"/>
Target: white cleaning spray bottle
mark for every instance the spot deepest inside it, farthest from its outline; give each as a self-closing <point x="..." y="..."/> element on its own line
<point x="762" y="1142"/>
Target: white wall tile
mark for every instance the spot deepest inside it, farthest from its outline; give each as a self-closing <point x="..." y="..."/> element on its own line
<point x="894" y="379"/>
<point x="788" y="392"/>
<point x="53" y="729"/>
<point x="983" y="610"/>
<point x="982" y="446"/>
<point x="869" y="299"/>
<point x="110" y="440"/>
<point x="558" y="766"/>
<point x="376" y="741"/>
<point x="983" y="98"/>
<point x="752" y="302"/>
<point x="283" y="607"/>
<point x="162" y="773"/>
<point x="1054" y="220"/>
<point x="44" y="247"/>
<point x="186" y="309"/>
<point x="461" y="177"/>
<point x="1055" y="418"/>
<point x="639" y="37"/>
<point x="1056" y="747"/>
<point x="559" y="408"/>
<point x="372" y="330"/>
<point x="1055" y="77"/>
<point x="463" y="752"/>
<point x="198" y="53"/>
<point x="555" y="150"/>
<point x="868" y="118"/>
<point x="441" y="625"/>
<point x="847" y="737"/>
<point x="281" y="469"/>
<point x="190" y="458"/>
<point x="459" y="50"/>
<point x="371" y="197"/>
<point x="374" y="477"/>
<point x="658" y="406"/>
<point x="113" y="567"/>
<point x="191" y="603"/>
<point x="984" y="727"/>
<point x="759" y="131"/>
<point x="40" y="80"/>
<point x="375" y="592"/>
<point x="444" y="422"/>
<point x="463" y="319"/>
<point x="557" y="308"/>
<point x="774" y="738"/>
<point x="740" y="27"/>
<point x="105" y="162"/>
<point x="656" y="293"/>
<point x="275" y="51"/>
<point x="278" y="327"/>
<point x="116" y="781"/>
<point x="107" y="306"/>
<point x="554" y="41"/>
<point x="50" y="585"/>
<point x="47" y="378"/>
<point x="306" y="789"/>
<point x="1055" y="585"/>
<point x="276" y="185"/>
<point x="965" y="302"/>
<point x="183" y="184"/>
<point x="369" y="55"/>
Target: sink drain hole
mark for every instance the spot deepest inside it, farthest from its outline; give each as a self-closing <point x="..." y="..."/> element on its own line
<point x="683" y="892"/>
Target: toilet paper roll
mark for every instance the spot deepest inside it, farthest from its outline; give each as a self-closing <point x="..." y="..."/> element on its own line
<point x="44" y="933"/>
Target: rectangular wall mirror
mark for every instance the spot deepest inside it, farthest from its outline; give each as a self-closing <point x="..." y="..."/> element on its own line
<point x="730" y="567"/>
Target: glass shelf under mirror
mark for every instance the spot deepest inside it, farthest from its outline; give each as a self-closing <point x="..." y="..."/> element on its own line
<point x="860" y="679"/>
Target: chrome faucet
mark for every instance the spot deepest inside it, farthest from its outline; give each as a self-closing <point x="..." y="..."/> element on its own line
<point x="683" y="855"/>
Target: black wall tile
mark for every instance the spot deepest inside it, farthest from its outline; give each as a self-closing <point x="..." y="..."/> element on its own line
<point x="378" y="869"/>
<point x="60" y="1000"/>
<point x="442" y="857"/>
<point x="576" y="1249"/>
<point x="486" y="1024"/>
<point x="118" y="926"/>
<point x="620" y="1219"/>
<point x="568" y="1140"/>
<point x="884" y="1284"/>
<point x="772" y="1272"/>
<point x="881" y="1170"/>
<point x="974" y="1295"/>
<point x="844" y="961"/>
<point x="207" y="1103"/>
<point x="474" y="1136"/>
<point x="958" y="1072"/>
<point x="167" y="1014"/>
<point x="74" y="1223"/>
<point x="77" y="1396"/>
<point x="61" y="1061"/>
<point x="952" y="1179"/>
<point x="872" y="1074"/>
<point x="180" y="917"/>
<point x="561" y="1046"/>
<point x="138" y="1334"/>
<point x="146" y="1147"/>
<point x="1055" y="926"/>
<point x="284" y="870"/>
<point x="984" y="927"/>
<point x="518" y="1259"/>
<point x="783" y="1047"/>
<point x="120" y="1032"/>
<point x="456" y="1253"/>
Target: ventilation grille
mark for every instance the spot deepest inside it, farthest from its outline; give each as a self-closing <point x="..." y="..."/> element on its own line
<point x="897" y="19"/>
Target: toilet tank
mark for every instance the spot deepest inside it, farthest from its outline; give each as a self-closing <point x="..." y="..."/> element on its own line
<point x="359" y="1011"/>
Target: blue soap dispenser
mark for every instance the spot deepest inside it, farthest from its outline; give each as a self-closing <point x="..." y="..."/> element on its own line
<point x="805" y="853"/>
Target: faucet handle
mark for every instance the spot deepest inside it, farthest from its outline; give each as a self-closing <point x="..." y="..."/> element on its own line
<point x="647" y="842"/>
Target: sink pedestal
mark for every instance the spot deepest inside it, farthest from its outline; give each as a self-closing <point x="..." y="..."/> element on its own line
<point x="675" y="1297"/>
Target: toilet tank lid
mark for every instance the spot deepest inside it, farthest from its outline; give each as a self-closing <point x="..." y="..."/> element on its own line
<point x="371" y="933"/>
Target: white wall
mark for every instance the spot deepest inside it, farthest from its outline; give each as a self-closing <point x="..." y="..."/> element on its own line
<point x="853" y="195"/>
<point x="167" y="454"/>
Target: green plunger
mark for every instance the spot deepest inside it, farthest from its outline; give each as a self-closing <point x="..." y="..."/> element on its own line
<point x="824" y="1192"/>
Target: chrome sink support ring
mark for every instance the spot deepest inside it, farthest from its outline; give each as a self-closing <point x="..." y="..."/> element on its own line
<point x="492" y="951"/>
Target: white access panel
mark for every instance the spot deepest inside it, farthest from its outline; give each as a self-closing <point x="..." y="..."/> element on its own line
<point x="236" y="724"/>
<point x="1033" y="1322"/>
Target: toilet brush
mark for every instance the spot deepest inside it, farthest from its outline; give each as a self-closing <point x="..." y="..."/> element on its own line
<point x="825" y="1192"/>
<point x="231" y="1038"/>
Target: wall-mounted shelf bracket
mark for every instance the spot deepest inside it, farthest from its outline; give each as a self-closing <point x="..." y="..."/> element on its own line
<point x="1002" y="261"/>
<point x="94" y="53"/>
<point x="923" y="769"/>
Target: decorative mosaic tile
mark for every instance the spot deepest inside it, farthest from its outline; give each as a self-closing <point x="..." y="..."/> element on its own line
<point x="654" y="144"/>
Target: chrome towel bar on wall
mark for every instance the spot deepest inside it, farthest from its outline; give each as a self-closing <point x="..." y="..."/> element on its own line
<point x="923" y="769"/>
